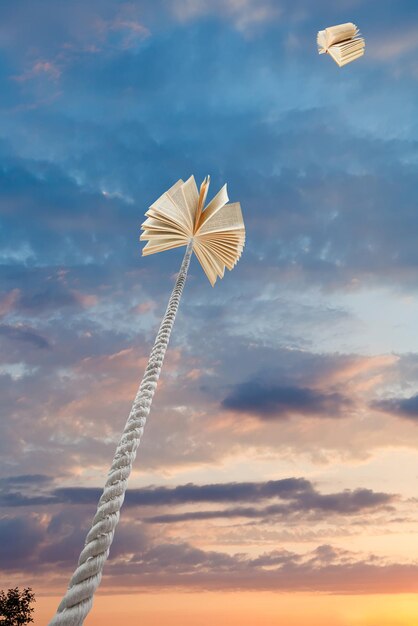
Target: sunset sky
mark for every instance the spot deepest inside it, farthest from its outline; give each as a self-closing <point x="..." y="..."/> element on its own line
<point x="276" y="478"/>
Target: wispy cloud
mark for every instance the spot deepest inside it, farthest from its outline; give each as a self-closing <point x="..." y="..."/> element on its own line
<point x="21" y="332"/>
<point x="39" y="69"/>
<point x="297" y="495"/>
<point x="245" y="15"/>
<point x="392" y="45"/>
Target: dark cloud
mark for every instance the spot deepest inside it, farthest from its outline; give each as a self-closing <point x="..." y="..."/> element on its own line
<point x="403" y="407"/>
<point x="324" y="569"/>
<point x="275" y="401"/>
<point x="23" y="333"/>
<point x="190" y="493"/>
<point x="330" y="569"/>
<point x="50" y="298"/>
<point x="26" y="490"/>
<point x="344" y="503"/>
<point x="24" y="479"/>
<point x="297" y="495"/>
<point x="20" y="539"/>
<point x="139" y="560"/>
<point x="166" y="496"/>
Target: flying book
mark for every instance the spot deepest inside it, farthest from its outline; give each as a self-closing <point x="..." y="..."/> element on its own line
<point x="343" y="43"/>
<point x="180" y="215"/>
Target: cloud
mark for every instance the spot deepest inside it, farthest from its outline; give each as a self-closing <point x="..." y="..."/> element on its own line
<point x="393" y="45"/>
<point x="402" y="407"/>
<point x="310" y="501"/>
<point x="326" y="569"/>
<point x="345" y="503"/>
<point x="123" y="31"/>
<point x="297" y="496"/>
<point x="190" y="493"/>
<point x="20" y="332"/>
<point x="39" y="68"/>
<point x="274" y="401"/>
<point x="26" y="490"/>
<point x="52" y="297"/>
<point x="20" y="538"/>
<point x="33" y="545"/>
<point x="8" y="301"/>
<point x="245" y="15"/>
<point x="24" y="479"/>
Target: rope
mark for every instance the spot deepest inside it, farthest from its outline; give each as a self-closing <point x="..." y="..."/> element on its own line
<point x="78" y="598"/>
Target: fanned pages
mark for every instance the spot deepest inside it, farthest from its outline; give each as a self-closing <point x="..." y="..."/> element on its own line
<point x="179" y="215"/>
<point x="343" y="43"/>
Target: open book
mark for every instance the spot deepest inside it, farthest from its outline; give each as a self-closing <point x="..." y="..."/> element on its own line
<point x="180" y="215"/>
<point x="343" y="43"/>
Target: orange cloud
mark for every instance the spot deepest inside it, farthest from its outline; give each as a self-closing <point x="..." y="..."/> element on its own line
<point x="361" y="373"/>
<point x="85" y="300"/>
<point x="144" y="307"/>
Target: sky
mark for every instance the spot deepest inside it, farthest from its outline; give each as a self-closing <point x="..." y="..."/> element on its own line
<point x="276" y="478"/>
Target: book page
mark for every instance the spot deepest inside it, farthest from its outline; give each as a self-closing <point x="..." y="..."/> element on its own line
<point x="334" y="34"/>
<point x="333" y="52"/>
<point x="171" y="222"/>
<point x="151" y="248"/>
<point x="342" y="57"/>
<point x="204" y="188"/>
<point x="230" y="218"/>
<point x="216" y="261"/>
<point x="154" y="237"/>
<point x="321" y="42"/>
<point x="191" y="197"/>
<point x="354" y="41"/>
<point x="351" y="44"/>
<point x="179" y="200"/>
<point x="155" y="224"/>
<point x="228" y="259"/>
<point x="214" y="205"/>
<point x="224" y="235"/>
<point x="205" y="263"/>
<point x="171" y="190"/>
<point x="166" y="206"/>
<point x="229" y="247"/>
<point x="351" y="57"/>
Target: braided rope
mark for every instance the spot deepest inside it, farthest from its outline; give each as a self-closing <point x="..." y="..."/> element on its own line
<point x="78" y="599"/>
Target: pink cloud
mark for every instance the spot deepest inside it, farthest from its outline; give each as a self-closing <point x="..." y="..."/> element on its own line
<point x="127" y="24"/>
<point x="194" y="374"/>
<point x="39" y="69"/>
<point x="361" y="374"/>
<point x="393" y="45"/>
<point x="8" y="301"/>
<point x="85" y="300"/>
<point x="144" y="307"/>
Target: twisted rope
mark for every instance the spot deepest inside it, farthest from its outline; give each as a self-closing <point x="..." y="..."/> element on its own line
<point x="78" y="599"/>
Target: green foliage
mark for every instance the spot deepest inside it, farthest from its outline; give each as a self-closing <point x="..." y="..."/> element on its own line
<point x="15" y="609"/>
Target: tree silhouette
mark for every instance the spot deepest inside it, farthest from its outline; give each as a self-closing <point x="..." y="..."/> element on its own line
<point x="15" y="609"/>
